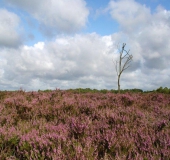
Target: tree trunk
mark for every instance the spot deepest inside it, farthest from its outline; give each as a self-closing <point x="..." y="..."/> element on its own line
<point x="118" y="83"/>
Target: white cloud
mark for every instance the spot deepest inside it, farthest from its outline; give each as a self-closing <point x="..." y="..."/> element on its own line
<point x="9" y="24"/>
<point x="67" y="62"/>
<point x="64" y="16"/>
<point x="130" y="14"/>
<point x="147" y="35"/>
<point x="81" y="61"/>
<point x="85" y="60"/>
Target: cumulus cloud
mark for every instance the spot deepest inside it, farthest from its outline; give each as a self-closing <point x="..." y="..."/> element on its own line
<point x="130" y="14"/>
<point x="65" y="16"/>
<point x="67" y="62"/>
<point x="147" y="35"/>
<point x="86" y="60"/>
<point x="9" y="24"/>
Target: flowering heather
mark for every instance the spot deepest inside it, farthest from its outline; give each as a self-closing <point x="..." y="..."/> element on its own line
<point x="65" y="125"/>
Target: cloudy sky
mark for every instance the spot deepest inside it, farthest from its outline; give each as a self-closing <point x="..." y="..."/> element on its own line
<point x="48" y="44"/>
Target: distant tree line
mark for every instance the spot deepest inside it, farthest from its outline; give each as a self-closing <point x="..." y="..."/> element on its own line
<point x="164" y="90"/>
<point x="134" y="90"/>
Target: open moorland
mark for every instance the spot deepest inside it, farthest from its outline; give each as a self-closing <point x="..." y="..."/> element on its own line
<point x="68" y="125"/>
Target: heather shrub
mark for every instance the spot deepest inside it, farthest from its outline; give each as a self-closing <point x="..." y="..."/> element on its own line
<point x="88" y="125"/>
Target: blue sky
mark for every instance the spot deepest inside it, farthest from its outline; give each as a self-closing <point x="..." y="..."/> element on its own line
<point x="73" y="43"/>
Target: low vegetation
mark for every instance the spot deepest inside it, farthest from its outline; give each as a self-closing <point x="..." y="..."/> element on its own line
<point x="92" y="125"/>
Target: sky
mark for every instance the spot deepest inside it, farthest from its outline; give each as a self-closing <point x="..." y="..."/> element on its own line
<point x="49" y="44"/>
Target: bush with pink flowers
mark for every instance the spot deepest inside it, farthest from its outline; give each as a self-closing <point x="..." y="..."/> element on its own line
<point x="68" y="125"/>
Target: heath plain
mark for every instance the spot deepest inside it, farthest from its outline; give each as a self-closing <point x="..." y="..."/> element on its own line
<point x="85" y="124"/>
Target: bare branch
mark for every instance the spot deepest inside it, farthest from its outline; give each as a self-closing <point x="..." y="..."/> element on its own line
<point x="116" y="66"/>
<point x="127" y="53"/>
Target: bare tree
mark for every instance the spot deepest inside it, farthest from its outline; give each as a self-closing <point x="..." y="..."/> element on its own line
<point x="123" y="63"/>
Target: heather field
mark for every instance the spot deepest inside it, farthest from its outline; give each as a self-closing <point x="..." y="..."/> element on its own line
<point x="67" y="125"/>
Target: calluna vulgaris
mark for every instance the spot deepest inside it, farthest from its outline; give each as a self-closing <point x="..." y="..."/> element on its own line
<point x="62" y="125"/>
